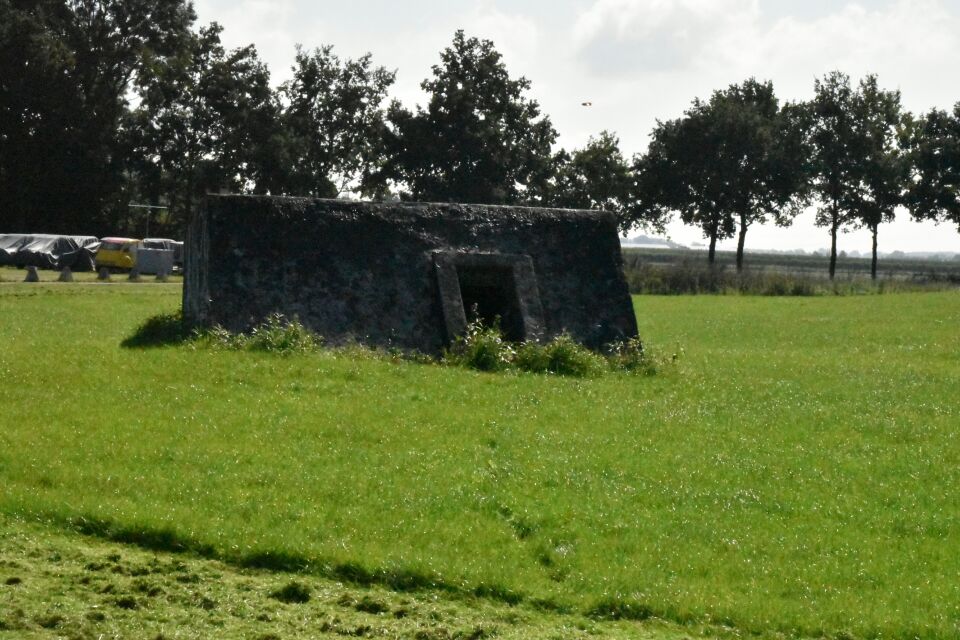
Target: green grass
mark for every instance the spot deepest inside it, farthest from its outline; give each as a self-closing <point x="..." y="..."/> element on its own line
<point x="796" y="472"/>
<point x="57" y="585"/>
<point x="13" y="275"/>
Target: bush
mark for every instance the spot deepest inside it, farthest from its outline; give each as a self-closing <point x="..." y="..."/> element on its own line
<point x="485" y="349"/>
<point x="276" y="334"/>
<point x="280" y="335"/>
<point x="482" y="348"/>
<point x="630" y="356"/>
<point x="562" y="355"/>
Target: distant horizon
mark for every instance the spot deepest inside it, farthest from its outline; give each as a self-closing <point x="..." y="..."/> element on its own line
<point x="904" y="235"/>
<point x="907" y="236"/>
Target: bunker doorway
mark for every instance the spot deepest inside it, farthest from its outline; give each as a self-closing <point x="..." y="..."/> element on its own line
<point x="489" y="294"/>
<point x="492" y="288"/>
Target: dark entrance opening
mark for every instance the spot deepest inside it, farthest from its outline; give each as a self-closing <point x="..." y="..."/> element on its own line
<point x="489" y="293"/>
<point x="491" y="287"/>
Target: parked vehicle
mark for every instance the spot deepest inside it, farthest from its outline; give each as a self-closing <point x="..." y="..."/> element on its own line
<point x="48" y="251"/>
<point x="117" y="254"/>
<point x="169" y="245"/>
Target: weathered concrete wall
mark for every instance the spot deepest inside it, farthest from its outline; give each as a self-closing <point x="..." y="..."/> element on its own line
<point x="385" y="274"/>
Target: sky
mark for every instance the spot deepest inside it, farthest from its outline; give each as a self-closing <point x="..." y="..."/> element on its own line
<point x="637" y="61"/>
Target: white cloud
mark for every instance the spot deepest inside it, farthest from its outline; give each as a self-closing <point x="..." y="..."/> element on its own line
<point x="270" y="24"/>
<point x="627" y="36"/>
<point x="908" y="43"/>
<point x="516" y="36"/>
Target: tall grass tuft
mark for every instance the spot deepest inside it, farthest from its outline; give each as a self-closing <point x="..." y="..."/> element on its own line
<point x="631" y="356"/>
<point x="276" y="334"/>
<point x="280" y="335"/>
<point x="562" y="356"/>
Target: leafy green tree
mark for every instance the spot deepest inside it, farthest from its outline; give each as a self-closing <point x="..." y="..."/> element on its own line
<point x="334" y="122"/>
<point x="479" y="139"/>
<point x="65" y="73"/>
<point x="834" y="154"/>
<point x="594" y="177"/>
<point x="933" y="143"/>
<point x="856" y="170"/>
<point x="654" y="187"/>
<point x="208" y="121"/>
<point x="879" y="121"/>
<point x="33" y="85"/>
<point x="729" y="163"/>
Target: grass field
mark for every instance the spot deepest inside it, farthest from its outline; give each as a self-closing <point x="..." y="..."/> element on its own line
<point x="13" y="274"/>
<point x="59" y="585"/>
<point x="797" y="472"/>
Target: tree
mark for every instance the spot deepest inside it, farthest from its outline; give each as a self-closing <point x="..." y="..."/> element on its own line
<point x="594" y="177"/>
<point x="933" y="143"/>
<point x="479" y="140"/>
<point x="833" y="158"/>
<point x="65" y="71"/>
<point x="657" y="191"/>
<point x="729" y="163"/>
<point x="208" y="120"/>
<point x="855" y="168"/>
<point x="878" y="121"/>
<point x="334" y="121"/>
<point x="33" y="86"/>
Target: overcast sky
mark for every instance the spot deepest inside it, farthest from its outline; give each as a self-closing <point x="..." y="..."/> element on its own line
<point x="640" y="60"/>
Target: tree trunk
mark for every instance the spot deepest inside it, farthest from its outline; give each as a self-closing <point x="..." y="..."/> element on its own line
<point x="712" y="256"/>
<point x="873" y="263"/>
<point x="741" y="240"/>
<point x="188" y="202"/>
<point x="834" y="226"/>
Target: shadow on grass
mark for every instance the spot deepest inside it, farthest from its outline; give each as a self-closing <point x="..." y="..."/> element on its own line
<point x="164" y="539"/>
<point x="159" y="331"/>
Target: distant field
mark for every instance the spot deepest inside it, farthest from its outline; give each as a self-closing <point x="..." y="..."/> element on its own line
<point x="812" y="265"/>
<point x="797" y="472"/>
<point x="673" y="271"/>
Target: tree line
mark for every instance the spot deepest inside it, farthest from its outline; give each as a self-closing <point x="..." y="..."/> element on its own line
<point x="106" y="103"/>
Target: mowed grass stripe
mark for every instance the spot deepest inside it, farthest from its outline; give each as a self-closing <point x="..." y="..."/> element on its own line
<point x="797" y="471"/>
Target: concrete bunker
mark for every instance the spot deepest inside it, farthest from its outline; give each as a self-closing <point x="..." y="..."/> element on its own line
<point x="406" y="275"/>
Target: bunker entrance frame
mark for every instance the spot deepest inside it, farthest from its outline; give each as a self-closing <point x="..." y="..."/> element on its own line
<point x="491" y="285"/>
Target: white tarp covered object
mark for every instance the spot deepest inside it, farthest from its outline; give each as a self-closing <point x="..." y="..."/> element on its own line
<point x="152" y="261"/>
<point x="168" y="244"/>
<point x="48" y="251"/>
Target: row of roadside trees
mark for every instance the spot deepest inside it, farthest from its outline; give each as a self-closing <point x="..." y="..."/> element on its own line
<point x="741" y="159"/>
<point x="104" y="103"/>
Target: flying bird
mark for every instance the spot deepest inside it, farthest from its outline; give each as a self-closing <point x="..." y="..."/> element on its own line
<point x="586" y="104"/>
